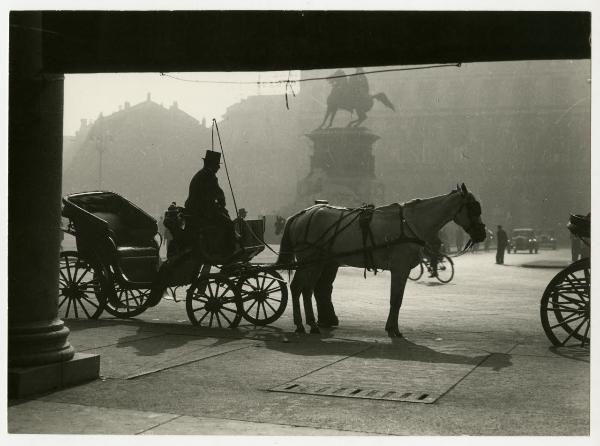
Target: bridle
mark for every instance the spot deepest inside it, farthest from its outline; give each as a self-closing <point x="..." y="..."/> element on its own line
<point x="473" y="212"/>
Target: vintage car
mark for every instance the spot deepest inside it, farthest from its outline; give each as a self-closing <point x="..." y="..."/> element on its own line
<point x="523" y="239"/>
<point x="546" y="240"/>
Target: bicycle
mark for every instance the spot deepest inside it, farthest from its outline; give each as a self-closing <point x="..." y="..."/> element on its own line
<point x="444" y="273"/>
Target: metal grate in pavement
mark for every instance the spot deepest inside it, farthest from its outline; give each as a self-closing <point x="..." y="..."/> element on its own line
<point x="357" y="392"/>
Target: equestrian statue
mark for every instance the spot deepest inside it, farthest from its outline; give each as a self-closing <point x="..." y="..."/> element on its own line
<point x="351" y="93"/>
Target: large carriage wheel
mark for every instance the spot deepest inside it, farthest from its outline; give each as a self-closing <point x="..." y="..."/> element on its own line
<point x="129" y="302"/>
<point x="445" y="269"/>
<point x="80" y="287"/>
<point x="565" y="306"/>
<point x="416" y="272"/>
<point x="213" y="301"/>
<point x="264" y="296"/>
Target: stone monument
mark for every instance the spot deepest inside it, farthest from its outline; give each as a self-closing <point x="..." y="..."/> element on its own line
<point x="342" y="165"/>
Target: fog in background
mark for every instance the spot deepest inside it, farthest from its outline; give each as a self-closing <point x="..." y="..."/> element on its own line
<point x="517" y="133"/>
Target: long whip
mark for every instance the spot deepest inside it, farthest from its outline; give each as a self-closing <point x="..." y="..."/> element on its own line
<point x="215" y="126"/>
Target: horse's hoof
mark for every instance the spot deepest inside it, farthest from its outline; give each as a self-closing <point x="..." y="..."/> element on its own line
<point x="315" y="330"/>
<point x="394" y="334"/>
<point x="300" y="330"/>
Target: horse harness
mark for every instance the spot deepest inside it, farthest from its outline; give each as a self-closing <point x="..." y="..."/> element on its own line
<point x="364" y="215"/>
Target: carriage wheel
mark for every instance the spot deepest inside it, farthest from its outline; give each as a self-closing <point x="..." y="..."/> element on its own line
<point x="213" y="302"/>
<point x="416" y="272"/>
<point x="80" y="287"/>
<point x="129" y="302"/>
<point x="445" y="269"/>
<point x="264" y="296"/>
<point x="565" y="306"/>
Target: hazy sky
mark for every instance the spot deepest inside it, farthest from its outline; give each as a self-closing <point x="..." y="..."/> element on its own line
<point x="88" y="95"/>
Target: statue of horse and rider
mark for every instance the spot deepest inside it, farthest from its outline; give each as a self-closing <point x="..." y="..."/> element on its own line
<point x="351" y="93"/>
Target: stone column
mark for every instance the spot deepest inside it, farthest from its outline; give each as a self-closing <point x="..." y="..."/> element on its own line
<point x="36" y="336"/>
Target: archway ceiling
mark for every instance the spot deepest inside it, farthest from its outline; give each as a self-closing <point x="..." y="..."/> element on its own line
<point x="151" y="41"/>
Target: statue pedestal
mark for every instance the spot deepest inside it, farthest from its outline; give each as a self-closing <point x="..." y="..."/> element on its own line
<point x="342" y="169"/>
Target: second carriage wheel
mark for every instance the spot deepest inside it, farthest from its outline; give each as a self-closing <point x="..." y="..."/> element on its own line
<point x="264" y="296"/>
<point x="445" y="269"/>
<point x="80" y="292"/>
<point x="213" y="302"/>
<point x="565" y="306"/>
<point x="127" y="302"/>
<point x="416" y="272"/>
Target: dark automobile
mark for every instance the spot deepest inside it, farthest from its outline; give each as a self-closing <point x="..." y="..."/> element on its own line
<point x="523" y="239"/>
<point x="546" y="240"/>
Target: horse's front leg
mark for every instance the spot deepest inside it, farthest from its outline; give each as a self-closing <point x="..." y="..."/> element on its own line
<point x="398" y="283"/>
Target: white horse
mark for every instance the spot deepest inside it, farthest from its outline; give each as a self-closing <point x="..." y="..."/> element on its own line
<point x="323" y="234"/>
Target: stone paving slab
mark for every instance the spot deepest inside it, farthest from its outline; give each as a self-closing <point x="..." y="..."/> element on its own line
<point x="217" y="426"/>
<point x="46" y="417"/>
<point x="104" y="333"/>
<point x="402" y="367"/>
<point x="557" y="385"/>
<point x="132" y="357"/>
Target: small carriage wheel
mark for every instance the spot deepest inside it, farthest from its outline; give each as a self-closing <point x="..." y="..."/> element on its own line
<point x="213" y="302"/>
<point x="80" y="287"/>
<point x="264" y="296"/>
<point x="416" y="272"/>
<point x="565" y="305"/>
<point x="130" y="301"/>
<point x="445" y="269"/>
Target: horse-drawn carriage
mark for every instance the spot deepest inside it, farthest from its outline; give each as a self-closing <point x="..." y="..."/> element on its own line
<point x="566" y="303"/>
<point x="117" y="261"/>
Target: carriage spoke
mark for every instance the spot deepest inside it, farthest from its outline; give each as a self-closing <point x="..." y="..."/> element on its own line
<point x="572" y="300"/>
<point x="228" y="309"/>
<point x="210" y="323"/>
<point x="75" y="301"/>
<point x="218" y="319"/>
<point x="66" y="279"/>
<point x="62" y="301"/>
<point x="68" y="307"/>
<point x="267" y="303"/>
<point x="203" y="317"/>
<point x="85" y="310"/>
<point x="86" y="271"/>
<point x="89" y="301"/>
<point x="68" y="268"/>
<point x="585" y="335"/>
<point x="250" y="307"/>
<point x="567" y="321"/>
<point x="225" y="316"/>
<point x="573" y="332"/>
<point x="210" y="290"/>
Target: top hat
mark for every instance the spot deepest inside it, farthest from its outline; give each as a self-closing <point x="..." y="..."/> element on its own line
<point x="212" y="157"/>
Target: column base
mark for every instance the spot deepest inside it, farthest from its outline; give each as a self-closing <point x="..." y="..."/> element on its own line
<point x="26" y="381"/>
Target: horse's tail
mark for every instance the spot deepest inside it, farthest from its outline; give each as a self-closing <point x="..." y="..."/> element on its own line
<point x="286" y="248"/>
<point x="384" y="100"/>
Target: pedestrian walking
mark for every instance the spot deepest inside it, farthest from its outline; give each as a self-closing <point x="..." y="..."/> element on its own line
<point x="502" y="243"/>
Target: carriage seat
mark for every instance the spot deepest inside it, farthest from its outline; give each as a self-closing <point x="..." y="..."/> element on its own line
<point x="128" y="239"/>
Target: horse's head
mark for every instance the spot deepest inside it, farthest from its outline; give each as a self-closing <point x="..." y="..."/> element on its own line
<point x="468" y="215"/>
